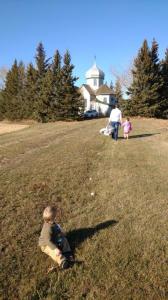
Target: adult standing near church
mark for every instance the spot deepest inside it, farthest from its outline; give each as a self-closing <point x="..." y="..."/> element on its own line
<point x="115" y="120"/>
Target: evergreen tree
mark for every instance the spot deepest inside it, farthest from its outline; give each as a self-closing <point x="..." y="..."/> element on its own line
<point x="2" y="106"/>
<point x="154" y="53"/>
<point x="147" y="83"/>
<point x="111" y="85"/>
<point x="45" y="107"/>
<point x="164" y="72"/>
<point x="30" y="92"/>
<point x="21" y="91"/>
<point x="70" y="103"/>
<point x="126" y="107"/>
<point x="118" y="92"/>
<point x="56" y="84"/>
<point x="42" y="64"/>
<point x="45" y="93"/>
<point x="11" y="93"/>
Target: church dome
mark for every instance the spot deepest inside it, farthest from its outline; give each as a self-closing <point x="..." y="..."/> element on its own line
<point x="94" y="72"/>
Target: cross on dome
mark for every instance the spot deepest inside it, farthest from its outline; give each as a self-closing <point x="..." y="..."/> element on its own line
<point x="95" y="60"/>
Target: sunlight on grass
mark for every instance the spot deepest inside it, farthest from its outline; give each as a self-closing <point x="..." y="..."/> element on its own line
<point x="118" y="233"/>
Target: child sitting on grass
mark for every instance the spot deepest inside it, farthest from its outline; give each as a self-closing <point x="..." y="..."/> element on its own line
<point x="127" y="128"/>
<point x="52" y="240"/>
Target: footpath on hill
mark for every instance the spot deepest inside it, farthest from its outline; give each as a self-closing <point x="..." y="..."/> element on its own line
<point x="10" y="127"/>
<point x="112" y="200"/>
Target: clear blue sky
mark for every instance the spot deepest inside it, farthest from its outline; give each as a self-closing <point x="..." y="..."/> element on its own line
<point x="111" y="30"/>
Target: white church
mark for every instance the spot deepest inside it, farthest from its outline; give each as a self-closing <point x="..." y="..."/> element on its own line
<point x="96" y="94"/>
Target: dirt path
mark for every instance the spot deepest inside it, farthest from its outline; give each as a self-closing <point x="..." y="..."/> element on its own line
<point x="7" y="128"/>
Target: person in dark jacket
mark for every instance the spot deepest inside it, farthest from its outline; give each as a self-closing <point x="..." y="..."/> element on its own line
<point x="53" y="241"/>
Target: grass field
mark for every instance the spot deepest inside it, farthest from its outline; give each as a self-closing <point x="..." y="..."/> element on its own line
<point x="10" y="127"/>
<point x="119" y="235"/>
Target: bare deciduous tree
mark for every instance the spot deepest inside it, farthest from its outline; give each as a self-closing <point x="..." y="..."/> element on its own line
<point x="124" y="76"/>
<point x="3" y="72"/>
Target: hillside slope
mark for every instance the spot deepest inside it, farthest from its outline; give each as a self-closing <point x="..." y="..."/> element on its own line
<point x="119" y="235"/>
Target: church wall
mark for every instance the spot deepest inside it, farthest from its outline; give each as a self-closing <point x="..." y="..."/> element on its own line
<point x="86" y="97"/>
<point x="94" y="80"/>
<point x="104" y="98"/>
<point x="91" y="81"/>
<point x="101" y="81"/>
<point x="103" y="109"/>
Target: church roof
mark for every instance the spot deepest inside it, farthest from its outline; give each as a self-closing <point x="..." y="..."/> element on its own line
<point x="89" y="89"/>
<point x="104" y="90"/>
<point x="94" y="71"/>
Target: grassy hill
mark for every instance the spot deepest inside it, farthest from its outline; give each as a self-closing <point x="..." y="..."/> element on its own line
<point x="119" y="234"/>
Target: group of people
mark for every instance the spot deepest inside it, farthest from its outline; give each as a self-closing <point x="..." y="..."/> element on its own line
<point x="115" y="121"/>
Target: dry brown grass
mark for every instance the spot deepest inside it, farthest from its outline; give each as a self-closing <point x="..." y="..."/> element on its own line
<point x="10" y="127"/>
<point x="120" y="233"/>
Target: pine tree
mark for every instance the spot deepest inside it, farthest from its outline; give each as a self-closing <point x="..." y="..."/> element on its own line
<point x="111" y="85"/>
<point x="127" y="107"/>
<point x="56" y="84"/>
<point x="11" y="93"/>
<point x="154" y="53"/>
<point x="11" y="89"/>
<point x="2" y="106"/>
<point x="30" y="92"/>
<point x="45" y="93"/>
<point x="45" y="107"/>
<point x="42" y="64"/>
<point x="164" y="72"/>
<point x="118" y="93"/>
<point x="157" y="81"/>
<point x="70" y="104"/>
<point x="147" y="83"/>
<point x="21" y="91"/>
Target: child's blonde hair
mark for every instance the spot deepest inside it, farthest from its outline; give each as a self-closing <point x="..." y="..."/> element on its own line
<point x="49" y="213"/>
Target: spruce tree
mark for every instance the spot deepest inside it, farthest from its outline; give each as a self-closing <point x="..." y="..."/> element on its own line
<point x="21" y="91"/>
<point x="2" y="106"/>
<point x="164" y="72"/>
<point x="111" y="85"/>
<point x="71" y="103"/>
<point x="30" y="92"/>
<point x="147" y="82"/>
<point x="45" y="107"/>
<point x="118" y="92"/>
<point x="154" y="53"/>
<point x="42" y="65"/>
<point x="56" y="84"/>
<point x="157" y="81"/>
<point x="42" y="62"/>
<point x="11" y="93"/>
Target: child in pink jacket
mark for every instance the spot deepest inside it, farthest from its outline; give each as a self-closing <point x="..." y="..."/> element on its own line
<point x="127" y="126"/>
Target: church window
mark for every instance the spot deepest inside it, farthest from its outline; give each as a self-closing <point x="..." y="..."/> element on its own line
<point x="95" y="82"/>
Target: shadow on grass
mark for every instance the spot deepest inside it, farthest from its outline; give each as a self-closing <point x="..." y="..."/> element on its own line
<point x="143" y="135"/>
<point x="78" y="236"/>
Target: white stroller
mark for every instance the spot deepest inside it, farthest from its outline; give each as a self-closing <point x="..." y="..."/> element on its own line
<point x="108" y="130"/>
